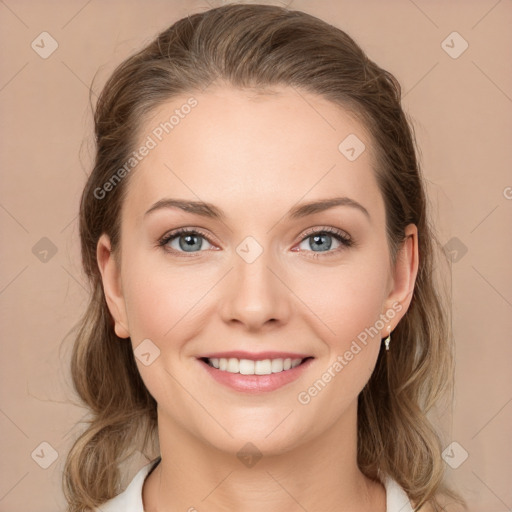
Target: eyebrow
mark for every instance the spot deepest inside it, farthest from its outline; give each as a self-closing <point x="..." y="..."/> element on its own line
<point x="303" y="210"/>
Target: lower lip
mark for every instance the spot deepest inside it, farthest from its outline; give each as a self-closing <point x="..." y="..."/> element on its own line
<point x="256" y="383"/>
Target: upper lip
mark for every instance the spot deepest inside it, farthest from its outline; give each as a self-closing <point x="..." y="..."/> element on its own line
<point x="254" y="356"/>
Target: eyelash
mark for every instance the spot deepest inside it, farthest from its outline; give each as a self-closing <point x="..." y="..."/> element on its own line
<point x="343" y="238"/>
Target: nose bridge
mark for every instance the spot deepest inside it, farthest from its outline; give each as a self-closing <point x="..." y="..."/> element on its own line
<point x="255" y="294"/>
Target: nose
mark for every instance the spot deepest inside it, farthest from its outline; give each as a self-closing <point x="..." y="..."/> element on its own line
<point x="255" y="295"/>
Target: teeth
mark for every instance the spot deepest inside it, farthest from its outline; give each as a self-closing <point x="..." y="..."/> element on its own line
<point x="250" y="367"/>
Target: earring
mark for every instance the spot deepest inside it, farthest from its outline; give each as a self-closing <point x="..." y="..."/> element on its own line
<point x="388" y="339"/>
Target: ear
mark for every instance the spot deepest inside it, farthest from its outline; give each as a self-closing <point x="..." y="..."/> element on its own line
<point x="111" y="277"/>
<point x="403" y="279"/>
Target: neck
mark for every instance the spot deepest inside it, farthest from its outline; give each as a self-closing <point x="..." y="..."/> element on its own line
<point x="319" y="475"/>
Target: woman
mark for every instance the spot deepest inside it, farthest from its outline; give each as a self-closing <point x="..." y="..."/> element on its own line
<point x="254" y="226"/>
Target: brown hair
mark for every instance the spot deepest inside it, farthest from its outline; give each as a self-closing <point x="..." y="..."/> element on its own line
<point x="260" y="46"/>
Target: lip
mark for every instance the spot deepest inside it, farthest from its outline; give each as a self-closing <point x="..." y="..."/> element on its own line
<point x="254" y="384"/>
<point x="255" y="356"/>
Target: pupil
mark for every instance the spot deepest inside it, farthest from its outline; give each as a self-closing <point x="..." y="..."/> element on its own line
<point x="318" y="238"/>
<point x="191" y="242"/>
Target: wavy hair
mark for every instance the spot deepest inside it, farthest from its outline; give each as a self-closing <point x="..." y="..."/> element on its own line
<point x="259" y="46"/>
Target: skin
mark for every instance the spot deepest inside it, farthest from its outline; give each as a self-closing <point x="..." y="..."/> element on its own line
<point x="255" y="156"/>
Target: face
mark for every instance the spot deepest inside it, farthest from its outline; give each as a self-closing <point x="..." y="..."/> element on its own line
<point x="257" y="275"/>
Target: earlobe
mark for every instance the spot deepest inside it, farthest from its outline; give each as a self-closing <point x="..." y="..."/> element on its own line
<point x="404" y="275"/>
<point x="111" y="278"/>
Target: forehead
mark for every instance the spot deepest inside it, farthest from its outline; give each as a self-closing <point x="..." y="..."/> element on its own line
<point x="228" y="146"/>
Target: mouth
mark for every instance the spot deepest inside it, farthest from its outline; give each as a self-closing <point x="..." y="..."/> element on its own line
<point x="250" y="373"/>
<point x="254" y="367"/>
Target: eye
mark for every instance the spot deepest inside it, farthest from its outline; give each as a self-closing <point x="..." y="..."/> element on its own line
<point x="184" y="241"/>
<point x="322" y="241"/>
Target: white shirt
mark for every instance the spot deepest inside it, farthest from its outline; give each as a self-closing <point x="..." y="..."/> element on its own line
<point x="130" y="500"/>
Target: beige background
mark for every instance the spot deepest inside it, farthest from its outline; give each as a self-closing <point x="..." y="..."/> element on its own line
<point x="462" y="110"/>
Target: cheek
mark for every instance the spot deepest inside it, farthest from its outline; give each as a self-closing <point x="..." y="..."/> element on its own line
<point x="347" y="305"/>
<point x="350" y="353"/>
<point x="164" y="299"/>
<point x="346" y="299"/>
<point x="164" y="304"/>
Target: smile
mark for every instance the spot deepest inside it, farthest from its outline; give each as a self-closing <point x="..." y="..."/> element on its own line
<point x="262" y="373"/>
